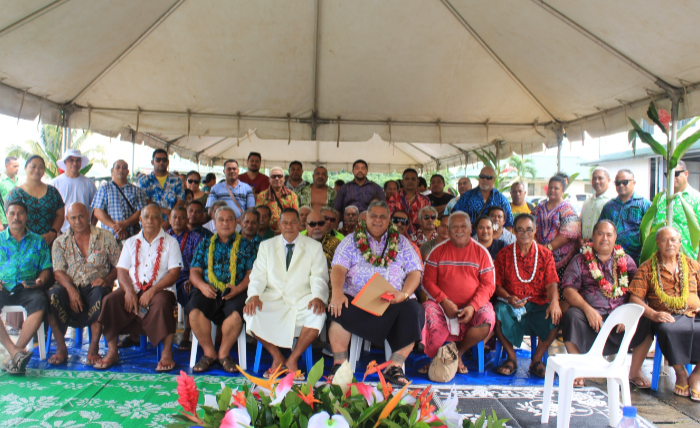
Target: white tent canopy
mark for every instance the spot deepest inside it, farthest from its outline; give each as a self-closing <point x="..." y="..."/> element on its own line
<point x="433" y="79"/>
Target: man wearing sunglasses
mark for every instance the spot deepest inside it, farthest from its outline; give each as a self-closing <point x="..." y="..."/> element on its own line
<point x="626" y="213"/>
<point x="427" y="231"/>
<point x="408" y="199"/>
<point x="238" y="195"/>
<point x="162" y="188"/>
<point x="476" y="202"/>
<point x="315" y="229"/>
<point x="277" y="197"/>
<point x="680" y="221"/>
<point x="401" y="222"/>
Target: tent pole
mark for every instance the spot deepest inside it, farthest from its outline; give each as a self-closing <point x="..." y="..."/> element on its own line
<point x="133" y="153"/>
<point x="675" y="101"/>
<point x="559" y="131"/>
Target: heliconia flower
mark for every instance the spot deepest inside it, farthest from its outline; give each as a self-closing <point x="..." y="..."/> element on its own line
<point x="664" y="118"/>
<point x="343" y="377"/>
<point x="188" y="393"/>
<point x="238" y="398"/>
<point x="324" y="420"/>
<point x="236" y="418"/>
<point x="265" y="384"/>
<point x="371" y="394"/>
<point x="391" y="405"/>
<point x="283" y="388"/>
<point x="308" y="399"/>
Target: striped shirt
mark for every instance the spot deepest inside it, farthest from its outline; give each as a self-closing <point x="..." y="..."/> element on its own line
<point x="463" y="275"/>
<point x="353" y="194"/>
<point x="242" y="192"/>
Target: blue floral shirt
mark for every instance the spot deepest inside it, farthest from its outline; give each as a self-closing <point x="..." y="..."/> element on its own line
<point x="187" y="249"/>
<point x="165" y="196"/>
<point x="473" y="203"/>
<point x="23" y="260"/>
<point x="627" y="218"/>
<point x="247" y="253"/>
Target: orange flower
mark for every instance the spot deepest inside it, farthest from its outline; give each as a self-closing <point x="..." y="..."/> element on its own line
<point x="372" y="368"/>
<point x="308" y="399"/>
<point x="239" y="399"/>
<point x="391" y="405"/>
<point x="267" y="384"/>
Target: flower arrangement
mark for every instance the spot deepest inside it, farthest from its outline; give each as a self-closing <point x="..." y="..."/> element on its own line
<point x="620" y="277"/>
<point x="341" y="403"/>
<point x="390" y="253"/>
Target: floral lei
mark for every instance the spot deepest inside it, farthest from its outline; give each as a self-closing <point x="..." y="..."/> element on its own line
<point x="363" y="245"/>
<point x="619" y="271"/>
<point x="677" y="305"/>
<point x="156" y="266"/>
<point x="211" y="276"/>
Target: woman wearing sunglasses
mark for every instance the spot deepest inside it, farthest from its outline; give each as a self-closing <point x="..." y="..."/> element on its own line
<point x="427" y="217"/>
<point x="192" y="183"/>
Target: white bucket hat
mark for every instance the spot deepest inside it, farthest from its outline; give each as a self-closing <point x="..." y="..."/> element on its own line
<point x="75" y="153"/>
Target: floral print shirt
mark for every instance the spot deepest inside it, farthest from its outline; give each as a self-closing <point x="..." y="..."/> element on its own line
<point x="247" y="253"/>
<point x="103" y="255"/>
<point x="165" y="196"/>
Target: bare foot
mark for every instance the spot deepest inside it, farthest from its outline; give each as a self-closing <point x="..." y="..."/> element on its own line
<point x="165" y="364"/>
<point x="639" y="380"/>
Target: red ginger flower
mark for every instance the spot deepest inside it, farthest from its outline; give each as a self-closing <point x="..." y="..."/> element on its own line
<point x="187" y="390"/>
<point x="664" y="118"/>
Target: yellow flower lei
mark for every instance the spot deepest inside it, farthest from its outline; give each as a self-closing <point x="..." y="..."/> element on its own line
<point x="211" y="276"/>
<point x="677" y="305"/>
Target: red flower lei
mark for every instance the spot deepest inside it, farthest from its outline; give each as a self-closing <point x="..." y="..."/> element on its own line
<point x="619" y="271"/>
<point x="156" y="266"/>
<point x="184" y="241"/>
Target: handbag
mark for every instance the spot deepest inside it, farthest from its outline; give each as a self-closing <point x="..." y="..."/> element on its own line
<point x="137" y="226"/>
<point x="444" y="366"/>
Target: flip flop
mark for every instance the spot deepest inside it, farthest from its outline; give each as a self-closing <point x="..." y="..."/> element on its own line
<point x="18" y="366"/>
<point x="510" y="365"/>
<point x="683" y="389"/>
<point x="160" y="368"/>
<point x="635" y="382"/>
<point x="105" y="364"/>
<point x="91" y="360"/>
<point x="695" y="395"/>
<point x="58" y="360"/>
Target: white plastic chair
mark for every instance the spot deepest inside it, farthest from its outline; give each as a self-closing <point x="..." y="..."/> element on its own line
<point x="242" y="347"/>
<point x="356" y="349"/>
<point x="40" y="333"/>
<point x="593" y="364"/>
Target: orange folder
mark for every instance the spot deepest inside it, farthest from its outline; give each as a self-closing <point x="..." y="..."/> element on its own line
<point x="369" y="298"/>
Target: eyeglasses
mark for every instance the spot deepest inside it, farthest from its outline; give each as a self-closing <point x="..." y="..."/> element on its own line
<point x="485" y="177"/>
<point x="397" y="220"/>
<point x="677" y="173"/>
<point x="316" y="223"/>
<point x="160" y="159"/>
<point x="277" y="177"/>
<point x="528" y="231"/>
<point x="623" y="182"/>
<point x="331" y="219"/>
<point x="192" y="181"/>
<point x="429" y="217"/>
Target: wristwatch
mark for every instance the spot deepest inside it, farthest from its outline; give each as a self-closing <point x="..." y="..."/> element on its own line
<point x="405" y="295"/>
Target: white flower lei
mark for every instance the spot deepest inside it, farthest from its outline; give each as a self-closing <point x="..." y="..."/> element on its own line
<point x="534" y="269"/>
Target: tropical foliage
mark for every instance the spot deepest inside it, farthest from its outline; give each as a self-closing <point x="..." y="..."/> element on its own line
<point x="50" y="145"/>
<point x="662" y="119"/>
<point x="342" y="403"/>
<point x="521" y="168"/>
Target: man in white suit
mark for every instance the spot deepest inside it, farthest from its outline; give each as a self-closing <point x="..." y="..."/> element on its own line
<point x="288" y="292"/>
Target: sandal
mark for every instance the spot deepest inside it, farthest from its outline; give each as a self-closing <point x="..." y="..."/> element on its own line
<point x="105" y="364"/>
<point x="395" y="374"/>
<point x="57" y="360"/>
<point x="683" y="390"/>
<point x="203" y="364"/>
<point x="18" y="365"/>
<point x="695" y="395"/>
<point x="228" y="364"/>
<point x="510" y="365"/>
<point x="91" y="360"/>
<point x="538" y="369"/>
<point x="164" y="367"/>
<point x="334" y="369"/>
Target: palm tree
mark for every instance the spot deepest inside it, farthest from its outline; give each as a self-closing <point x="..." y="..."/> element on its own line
<point x="49" y="148"/>
<point x="521" y="167"/>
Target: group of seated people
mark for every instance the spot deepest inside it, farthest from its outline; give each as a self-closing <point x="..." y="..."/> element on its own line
<point x="289" y="287"/>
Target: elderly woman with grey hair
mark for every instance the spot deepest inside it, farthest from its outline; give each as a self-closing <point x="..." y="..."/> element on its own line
<point x="427" y="217"/>
<point x="376" y="247"/>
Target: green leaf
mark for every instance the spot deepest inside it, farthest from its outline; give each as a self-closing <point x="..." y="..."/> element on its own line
<point x="286" y="419"/>
<point x="683" y="147"/>
<point x="649" y="217"/>
<point x="303" y="421"/>
<point x="345" y="414"/>
<point x="225" y="398"/>
<point x="691" y="221"/>
<point x="649" y="247"/>
<point x="686" y="127"/>
<point x="482" y="158"/>
<point x="315" y="373"/>
<point x="390" y="424"/>
<point x="631" y="135"/>
<point x="647" y="138"/>
<point x="86" y="169"/>
<point x="654" y="116"/>
<point x="252" y="406"/>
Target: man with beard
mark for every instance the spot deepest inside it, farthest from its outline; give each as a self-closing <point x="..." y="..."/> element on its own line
<point x="253" y="177"/>
<point x="237" y="195"/>
<point x="476" y="202"/>
<point x="350" y="220"/>
<point x="318" y="194"/>
<point x="295" y="182"/>
<point x="427" y="231"/>
<point x="360" y="191"/>
<point x="464" y="184"/>
<point x="315" y="229"/>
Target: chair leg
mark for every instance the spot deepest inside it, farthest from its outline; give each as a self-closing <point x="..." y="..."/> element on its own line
<point x="308" y="356"/>
<point x="497" y="355"/>
<point x="48" y="339"/>
<point x="547" y="394"/>
<point x="613" y="402"/>
<point x="242" y="350"/>
<point x="656" y="370"/>
<point x="566" y="389"/>
<point x="193" y="352"/>
<point x="42" y="342"/>
<point x="353" y="356"/>
<point x="78" y="337"/>
<point x="144" y="343"/>
<point x="258" y="354"/>
<point x="480" y="352"/>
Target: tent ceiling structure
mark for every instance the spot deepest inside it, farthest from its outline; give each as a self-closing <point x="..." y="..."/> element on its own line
<point x="400" y="82"/>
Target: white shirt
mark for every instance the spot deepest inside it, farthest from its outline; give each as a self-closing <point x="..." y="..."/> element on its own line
<point x="80" y="189"/>
<point x="590" y="212"/>
<point x="170" y="258"/>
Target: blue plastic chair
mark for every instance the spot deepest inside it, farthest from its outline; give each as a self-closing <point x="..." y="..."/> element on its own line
<point x="533" y="346"/>
<point x="144" y="346"/>
<point x="78" y="342"/>
<point x="656" y="371"/>
<point x="308" y="357"/>
<point x="478" y="352"/>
